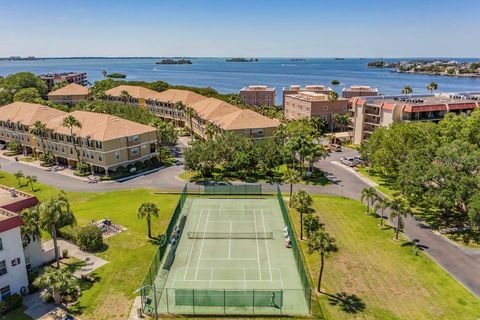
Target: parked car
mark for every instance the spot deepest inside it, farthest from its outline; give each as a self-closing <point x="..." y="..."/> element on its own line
<point x="357" y="160"/>
<point x="347" y="161"/>
<point x="327" y="148"/>
<point x="335" y="147"/>
<point x="3" y="146"/>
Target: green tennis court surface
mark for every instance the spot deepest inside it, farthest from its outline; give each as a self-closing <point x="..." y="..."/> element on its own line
<point x="231" y="259"/>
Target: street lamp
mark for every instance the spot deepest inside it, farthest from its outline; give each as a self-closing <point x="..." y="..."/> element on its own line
<point x="341" y="190"/>
<point x="154" y="297"/>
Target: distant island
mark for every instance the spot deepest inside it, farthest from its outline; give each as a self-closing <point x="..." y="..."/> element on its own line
<point x="116" y="75"/>
<point x="173" y="61"/>
<point x="432" y="67"/>
<point x="298" y="59"/>
<point x="242" y="60"/>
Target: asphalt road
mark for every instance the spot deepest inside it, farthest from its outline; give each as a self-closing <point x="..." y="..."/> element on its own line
<point x="462" y="264"/>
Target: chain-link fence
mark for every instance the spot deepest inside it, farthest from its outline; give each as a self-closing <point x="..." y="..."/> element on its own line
<point x="296" y="249"/>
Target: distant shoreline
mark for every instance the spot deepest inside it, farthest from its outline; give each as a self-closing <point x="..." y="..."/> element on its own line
<point x="177" y="57"/>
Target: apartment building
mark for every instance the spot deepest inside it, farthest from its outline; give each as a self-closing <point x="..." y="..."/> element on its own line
<point x="103" y="141"/>
<point x="136" y="95"/>
<point x="12" y="202"/>
<point x="70" y="94"/>
<point x="258" y="96"/>
<point x="221" y="114"/>
<point x="13" y="271"/>
<point x="359" y="91"/>
<point x="52" y="79"/>
<point x="294" y="89"/>
<point x="370" y="113"/>
<point x="311" y="104"/>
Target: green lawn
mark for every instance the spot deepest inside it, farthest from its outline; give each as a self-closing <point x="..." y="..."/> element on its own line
<point x="129" y="253"/>
<point x="16" y="314"/>
<point x="391" y="281"/>
<point x="384" y="185"/>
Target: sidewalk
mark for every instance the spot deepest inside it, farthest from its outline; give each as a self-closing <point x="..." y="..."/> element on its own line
<point x="92" y="261"/>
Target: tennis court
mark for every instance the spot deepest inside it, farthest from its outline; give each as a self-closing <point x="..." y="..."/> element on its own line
<point x="231" y="258"/>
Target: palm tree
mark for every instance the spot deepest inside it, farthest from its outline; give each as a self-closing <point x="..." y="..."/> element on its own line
<point x="318" y="123"/>
<point x="302" y="202"/>
<point x="125" y="96"/>
<point x="55" y="213"/>
<point x="322" y="243"/>
<point x="190" y="113"/>
<point x="71" y="122"/>
<point x="19" y="175"/>
<point x="311" y="224"/>
<point x="382" y="204"/>
<point x="398" y="209"/>
<point x="39" y="129"/>
<point x="432" y="86"/>
<point x="211" y="130"/>
<point x="30" y="229"/>
<point x="369" y="194"/>
<point x="147" y="210"/>
<point x="177" y="107"/>
<point x="61" y="281"/>
<point x="332" y="97"/>
<point x="291" y="176"/>
<point x="30" y="181"/>
<point x="407" y="90"/>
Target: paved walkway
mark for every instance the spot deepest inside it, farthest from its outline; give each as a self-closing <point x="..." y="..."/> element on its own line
<point x="92" y="261"/>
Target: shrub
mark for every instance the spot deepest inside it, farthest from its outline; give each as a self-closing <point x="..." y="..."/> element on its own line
<point x="90" y="238"/>
<point x="129" y="167"/>
<point x="14" y="146"/>
<point x="139" y="165"/>
<point x="11" y="302"/>
<point x="147" y="163"/>
<point x="83" y="167"/>
<point x="47" y="159"/>
<point x="69" y="233"/>
<point x="121" y="170"/>
<point x="46" y="296"/>
<point x="155" y="161"/>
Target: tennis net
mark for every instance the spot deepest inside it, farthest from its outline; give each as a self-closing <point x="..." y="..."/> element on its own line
<point x="230" y="235"/>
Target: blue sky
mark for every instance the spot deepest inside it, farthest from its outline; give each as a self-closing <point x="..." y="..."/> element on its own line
<point x="257" y="28"/>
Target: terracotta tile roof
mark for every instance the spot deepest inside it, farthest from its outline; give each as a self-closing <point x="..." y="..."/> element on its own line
<point x="176" y="95"/>
<point x="72" y="89"/>
<point x="245" y="119"/>
<point x="99" y="126"/>
<point x="28" y="113"/>
<point x="134" y="91"/>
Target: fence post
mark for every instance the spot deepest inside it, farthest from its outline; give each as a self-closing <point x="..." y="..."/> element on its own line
<point x="193" y="300"/>
<point x="224" y="303"/>
<point x="253" y="302"/>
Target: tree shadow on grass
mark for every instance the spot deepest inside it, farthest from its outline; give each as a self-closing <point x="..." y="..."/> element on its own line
<point x="415" y="243"/>
<point x="349" y="303"/>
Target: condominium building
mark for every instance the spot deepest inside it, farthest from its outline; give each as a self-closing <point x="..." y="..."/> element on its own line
<point x="258" y="96"/>
<point x="294" y="89"/>
<point x="359" y="91"/>
<point x="135" y="95"/>
<point x="311" y="104"/>
<point x="52" y="79"/>
<point x="171" y="105"/>
<point x="13" y="271"/>
<point x="70" y="94"/>
<point x="370" y="113"/>
<point x="12" y="202"/>
<point x="103" y="141"/>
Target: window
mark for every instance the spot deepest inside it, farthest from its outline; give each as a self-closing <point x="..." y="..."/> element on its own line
<point x="134" y="138"/>
<point x="325" y="108"/>
<point x="117" y="155"/>
<point x="1" y="244"/>
<point x="3" y="268"/>
<point x="134" y="151"/>
<point x="5" y="292"/>
<point x="100" y="158"/>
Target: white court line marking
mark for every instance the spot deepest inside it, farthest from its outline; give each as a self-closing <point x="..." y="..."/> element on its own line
<point x="201" y="247"/>
<point x="266" y="246"/>
<point x="230" y="243"/>
<point x="258" y="251"/>
<point x="193" y="245"/>
<point x="281" y="277"/>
